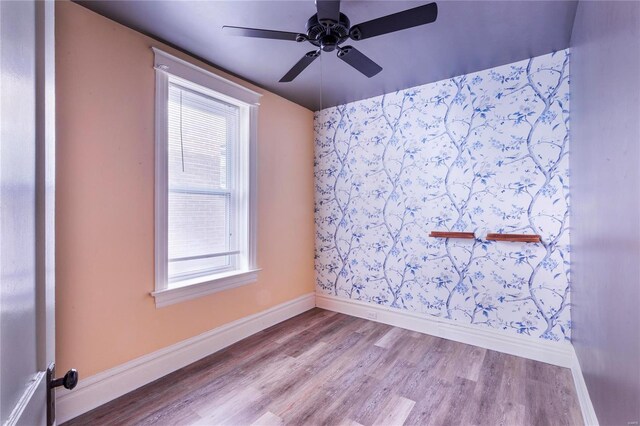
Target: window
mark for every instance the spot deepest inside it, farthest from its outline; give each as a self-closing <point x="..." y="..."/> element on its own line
<point x="205" y="182"/>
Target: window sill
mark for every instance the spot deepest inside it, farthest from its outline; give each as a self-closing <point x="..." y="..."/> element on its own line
<point x="202" y="286"/>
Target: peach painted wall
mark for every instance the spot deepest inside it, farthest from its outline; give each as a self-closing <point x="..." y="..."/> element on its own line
<point x="105" y="208"/>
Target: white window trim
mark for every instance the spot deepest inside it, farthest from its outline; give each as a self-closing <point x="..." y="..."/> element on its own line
<point x="168" y="66"/>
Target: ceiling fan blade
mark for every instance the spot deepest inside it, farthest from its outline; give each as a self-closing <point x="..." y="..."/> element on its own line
<point x="359" y="61"/>
<point x="395" y="22"/>
<point x="300" y="66"/>
<point x="259" y="33"/>
<point x="328" y="10"/>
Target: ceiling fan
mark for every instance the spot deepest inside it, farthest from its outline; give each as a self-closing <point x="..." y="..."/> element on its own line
<point x="329" y="29"/>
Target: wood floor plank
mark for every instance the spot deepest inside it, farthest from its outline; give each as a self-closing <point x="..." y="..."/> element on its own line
<point x="352" y="365"/>
<point x="325" y="368"/>
<point x="374" y="329"/>
<point x="332" y="367"/>
<point x="284" y="330"/>
<point x="448" y="361"/>
<point x="471" y="361"/>
<point x="347" y="422"/>
<point x="302" y="413"/>
<point x="395" y="412"/>
<point x="416" y="348"/>
<point x="455" y="411"/>
<point x="419" y="381"/>
<point x="513" y="385"/>
<point x="483" y="404"/>
<point x="221" y="409"/>
<point x="268" y="419"/>
<point x="426" y="408"/>
<point x="300" y="343"/>
<point x="339" y="334"/>
<point x="368" y="409"/>
<point x="509" y="414"/>
<point x="390" y="338"/>
<point x="385" y="364"/>
<point x="352" y="396"/>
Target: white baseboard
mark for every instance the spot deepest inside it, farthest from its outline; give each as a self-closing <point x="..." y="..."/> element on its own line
<point x="588" y="412"/>
<point x="110" y="384"/>
<point x="556" y="353"/>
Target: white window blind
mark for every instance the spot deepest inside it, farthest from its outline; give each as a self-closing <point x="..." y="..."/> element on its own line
<point x="205" y="182"/>
<point x="202" y="195"/>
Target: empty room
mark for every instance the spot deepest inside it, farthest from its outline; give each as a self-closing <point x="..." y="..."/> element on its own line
<point x="299" y="212"/>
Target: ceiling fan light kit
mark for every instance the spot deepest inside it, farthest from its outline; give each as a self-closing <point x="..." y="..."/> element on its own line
<point x="328" y="29"/>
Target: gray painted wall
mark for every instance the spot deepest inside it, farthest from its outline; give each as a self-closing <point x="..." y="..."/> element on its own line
<point x="605" y="159"/>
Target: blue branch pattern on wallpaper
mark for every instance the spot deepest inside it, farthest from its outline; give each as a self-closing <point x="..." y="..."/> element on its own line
<point x="484" y="152"/>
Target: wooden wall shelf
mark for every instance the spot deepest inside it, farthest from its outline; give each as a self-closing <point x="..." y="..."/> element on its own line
<point x="463" y="235"/>
<point x="519" y="238"/>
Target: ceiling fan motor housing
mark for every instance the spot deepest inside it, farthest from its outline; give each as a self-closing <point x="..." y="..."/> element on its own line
<point x="328" y="29"/>
<point x="329" y="37"/>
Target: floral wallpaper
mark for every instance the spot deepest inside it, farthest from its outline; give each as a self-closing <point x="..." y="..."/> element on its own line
<point x="484" y="152"/>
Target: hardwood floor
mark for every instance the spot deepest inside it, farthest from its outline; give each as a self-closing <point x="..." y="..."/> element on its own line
<point x="327" y="368"/>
